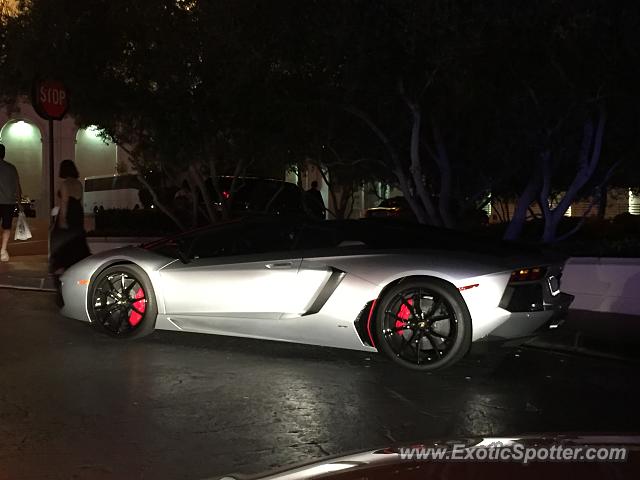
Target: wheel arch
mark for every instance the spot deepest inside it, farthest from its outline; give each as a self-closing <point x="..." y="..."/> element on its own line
<point x="409" y="278"/>
<point x="114" y="262"/>
<point x="109" y="264"/>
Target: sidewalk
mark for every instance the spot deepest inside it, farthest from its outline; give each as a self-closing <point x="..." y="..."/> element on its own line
<point x="29" y="272"/>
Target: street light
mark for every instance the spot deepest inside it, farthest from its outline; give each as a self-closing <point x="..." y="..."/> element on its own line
<point x="21" y="129"/>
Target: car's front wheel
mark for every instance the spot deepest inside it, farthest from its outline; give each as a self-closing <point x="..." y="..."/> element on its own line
<point x="423" y="324"/>
<point x="122" y="302"/>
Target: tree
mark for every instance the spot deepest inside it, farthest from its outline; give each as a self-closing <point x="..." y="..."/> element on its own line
<point x="423" y="77"/>
<point x="183" y="86"/>
<point x="571" y="91"/>
<point x="400" y="70"/>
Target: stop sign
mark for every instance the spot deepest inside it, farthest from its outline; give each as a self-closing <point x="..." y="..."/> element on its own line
<point x="50" y="99"/>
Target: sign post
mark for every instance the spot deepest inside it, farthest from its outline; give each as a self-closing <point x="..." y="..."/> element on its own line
<point x="51" y="101"/>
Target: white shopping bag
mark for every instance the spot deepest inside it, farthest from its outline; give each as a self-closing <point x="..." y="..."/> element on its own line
<point x="22" y="229"/>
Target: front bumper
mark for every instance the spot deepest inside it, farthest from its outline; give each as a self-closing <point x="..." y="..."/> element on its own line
<point x="74" y="292"/>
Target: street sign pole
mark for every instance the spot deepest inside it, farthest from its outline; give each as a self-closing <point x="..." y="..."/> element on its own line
<point x="51" y="101"/>
<point x="52" y="196"/>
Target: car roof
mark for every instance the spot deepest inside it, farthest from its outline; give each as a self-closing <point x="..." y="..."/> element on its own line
<point x="375" y="233"/>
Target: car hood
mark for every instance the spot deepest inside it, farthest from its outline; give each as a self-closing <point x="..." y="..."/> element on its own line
<point x="386" y="463"/>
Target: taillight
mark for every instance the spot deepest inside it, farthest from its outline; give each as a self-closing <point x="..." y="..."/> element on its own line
<point x="226" y="195"/>
<point x="527" y="274"/>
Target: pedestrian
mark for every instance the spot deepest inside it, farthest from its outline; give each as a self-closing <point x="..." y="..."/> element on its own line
<point x="10" y="195"/>
<point x="313" y="202"/>
<point x="183" y="198"/>
<point x="68" y="238"/>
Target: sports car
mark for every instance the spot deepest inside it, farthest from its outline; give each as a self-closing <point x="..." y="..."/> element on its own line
<point x="421" y="295"/>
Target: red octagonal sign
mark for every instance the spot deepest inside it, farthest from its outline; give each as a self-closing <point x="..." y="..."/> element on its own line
<point x="50" y="99"/>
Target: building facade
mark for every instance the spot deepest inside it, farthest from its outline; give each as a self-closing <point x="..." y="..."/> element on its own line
<point x="26" y="138"/>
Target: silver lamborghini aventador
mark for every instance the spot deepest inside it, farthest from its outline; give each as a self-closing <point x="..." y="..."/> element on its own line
<point x="420" y="295"/>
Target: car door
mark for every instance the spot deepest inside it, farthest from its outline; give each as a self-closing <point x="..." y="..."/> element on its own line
<point x="316" y="279"/>
<point x="247" y="270"/>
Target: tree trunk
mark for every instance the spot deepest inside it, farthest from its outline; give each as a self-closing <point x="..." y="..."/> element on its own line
<point x="550" y="229"/>
<point x="442" y="160"/>
<point x="587" y="163"/>
<point x="602" y="201"/>
<point x="530" y="193"/>
<point x="416" y="166"/>
<point x="196" y="177"/>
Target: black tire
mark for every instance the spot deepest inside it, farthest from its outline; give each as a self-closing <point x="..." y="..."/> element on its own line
<point x="431" y="337"/>
<point x="122" y="302"/>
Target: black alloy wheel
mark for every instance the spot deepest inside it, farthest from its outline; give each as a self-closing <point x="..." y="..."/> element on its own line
<point x="423" y="325"/>
<point x="122" y="302"/>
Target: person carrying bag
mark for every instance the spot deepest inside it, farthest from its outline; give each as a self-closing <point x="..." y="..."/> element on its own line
<point x="10" y="195"/>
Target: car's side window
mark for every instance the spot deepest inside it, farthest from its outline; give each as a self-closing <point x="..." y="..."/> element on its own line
<point x="215" y="243"/>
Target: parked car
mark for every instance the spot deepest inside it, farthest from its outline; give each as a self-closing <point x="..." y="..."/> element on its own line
<point x="394" y="207"/>
<point x="420" y="295"/>
<point x="254" y="194"/>
<point x="525" y="457"/>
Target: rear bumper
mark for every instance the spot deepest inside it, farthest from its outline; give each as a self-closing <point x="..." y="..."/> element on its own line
<point x="521" y="326"/>
<point x="560" y="308"/>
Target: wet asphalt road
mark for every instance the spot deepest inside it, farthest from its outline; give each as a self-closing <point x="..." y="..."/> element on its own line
<point x="75" y="404"/>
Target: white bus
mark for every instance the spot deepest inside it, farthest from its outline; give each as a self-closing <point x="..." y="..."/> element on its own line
<point x="111" y="191"/>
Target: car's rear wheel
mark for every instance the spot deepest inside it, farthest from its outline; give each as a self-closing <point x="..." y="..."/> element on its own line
<point x="122" y="302"/>
<point x="423" y="324"/>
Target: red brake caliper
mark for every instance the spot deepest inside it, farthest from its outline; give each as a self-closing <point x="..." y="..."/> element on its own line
<point x="140" y="305"/>
<point x="403" y="316"/>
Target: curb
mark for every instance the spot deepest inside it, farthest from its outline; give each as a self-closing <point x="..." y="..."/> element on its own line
<point x="575" y="348"/>
<point x="28" y="288"/>
<point x="17" y="282"/>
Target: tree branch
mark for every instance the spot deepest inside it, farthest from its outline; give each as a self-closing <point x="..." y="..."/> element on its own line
<point x="588" y="161"/>
<point x="397" y="168"/>
<point x="545" y="191"/>
<point x="444" y="165"/>
<point x="595" y="199"/>
<point x="159" y="203"/>
<point x="414" y="153"/>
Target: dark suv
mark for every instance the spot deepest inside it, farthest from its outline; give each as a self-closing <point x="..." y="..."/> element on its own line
<point x="253" y="194"/>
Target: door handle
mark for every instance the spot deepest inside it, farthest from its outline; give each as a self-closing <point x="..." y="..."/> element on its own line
<point x="279" y="265"/>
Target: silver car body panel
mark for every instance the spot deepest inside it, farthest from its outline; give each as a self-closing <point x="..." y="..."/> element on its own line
<point x="313" y="297"/>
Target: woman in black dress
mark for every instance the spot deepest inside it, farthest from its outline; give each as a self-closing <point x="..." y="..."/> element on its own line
<point x="68" y="238"/>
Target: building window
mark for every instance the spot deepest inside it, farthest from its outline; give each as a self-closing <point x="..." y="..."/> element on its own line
<point x="487" y="207"/>
<point x="634" y="203"/>
<point x="555" y="201"/>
